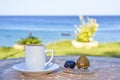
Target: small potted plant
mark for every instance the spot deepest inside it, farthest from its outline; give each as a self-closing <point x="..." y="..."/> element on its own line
<point x="84" y="34"/>
<point x="28" y="40"/>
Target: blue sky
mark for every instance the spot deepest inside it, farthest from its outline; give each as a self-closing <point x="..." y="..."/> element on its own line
<point x="59" y="7"/>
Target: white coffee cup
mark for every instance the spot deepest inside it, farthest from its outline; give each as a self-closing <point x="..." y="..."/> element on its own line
<point x="35" y="57"/>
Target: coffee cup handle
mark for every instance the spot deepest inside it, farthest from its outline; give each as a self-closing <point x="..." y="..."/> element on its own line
<point x="51" y="58"/>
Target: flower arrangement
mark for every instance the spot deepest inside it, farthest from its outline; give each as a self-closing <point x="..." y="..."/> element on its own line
<point x="84" y="34"/>
<point x="86" y="30"/>
<point x="29" y="40"/>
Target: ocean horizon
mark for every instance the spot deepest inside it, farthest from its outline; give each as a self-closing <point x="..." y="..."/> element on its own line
<point x="50" y="28"/>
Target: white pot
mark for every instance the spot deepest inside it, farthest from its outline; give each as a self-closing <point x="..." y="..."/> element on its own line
<point x="18" y="46"/>
<point x="87" y="45"/>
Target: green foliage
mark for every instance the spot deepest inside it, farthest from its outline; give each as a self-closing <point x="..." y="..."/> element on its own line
<point x="62" y="48"/>
<point x="29" y="40"/>
<point x="85" y="31"/>
<point x="9" y="52"/>
<point x="65" y="48"/>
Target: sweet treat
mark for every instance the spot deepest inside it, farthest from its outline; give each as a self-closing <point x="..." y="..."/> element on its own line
<point x="81" y="66"/>
<point x="70" y="64"/>
<point x="83" y="62"/>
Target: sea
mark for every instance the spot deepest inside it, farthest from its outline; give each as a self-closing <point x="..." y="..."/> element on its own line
<point x="50" y="29"/>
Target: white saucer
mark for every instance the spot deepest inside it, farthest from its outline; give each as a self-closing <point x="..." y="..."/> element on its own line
<point x="22" y="68"/>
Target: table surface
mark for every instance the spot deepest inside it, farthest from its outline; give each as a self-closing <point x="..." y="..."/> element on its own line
<point x="110" y="70"/>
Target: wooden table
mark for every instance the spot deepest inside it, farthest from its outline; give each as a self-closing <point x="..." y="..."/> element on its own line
<point x="111" y="72"/>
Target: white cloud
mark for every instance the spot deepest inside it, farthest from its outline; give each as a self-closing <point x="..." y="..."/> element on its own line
<point x="59" y="7"/>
